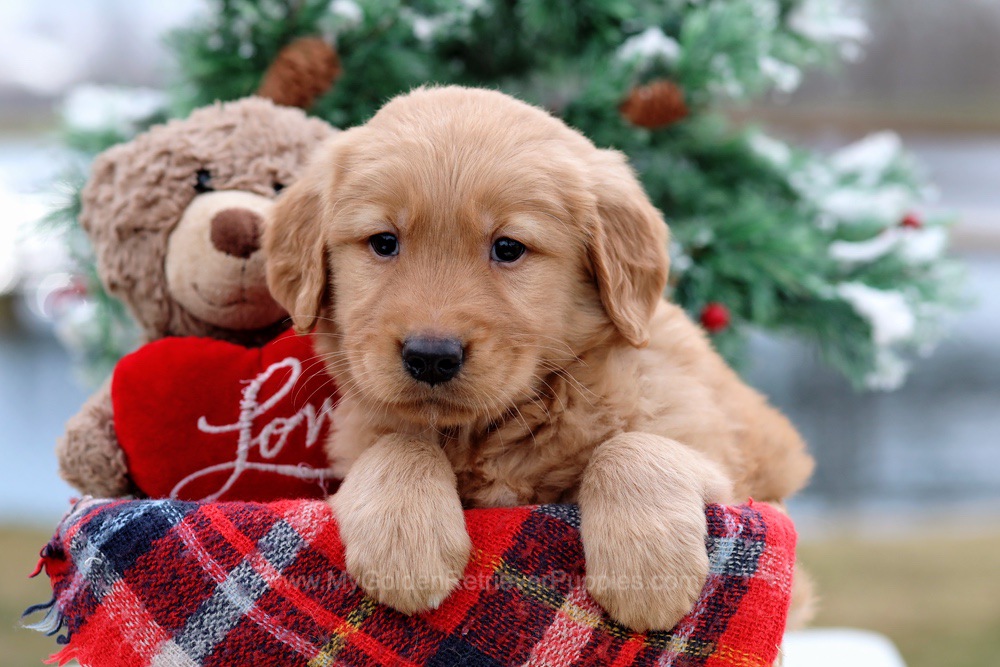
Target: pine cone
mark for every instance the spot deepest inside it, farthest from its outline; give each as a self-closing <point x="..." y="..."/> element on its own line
<point x="657" y="104"/>
<point x="302" y="71"/>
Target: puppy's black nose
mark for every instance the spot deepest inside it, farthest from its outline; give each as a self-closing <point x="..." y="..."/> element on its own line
<point x="432" y="360"/>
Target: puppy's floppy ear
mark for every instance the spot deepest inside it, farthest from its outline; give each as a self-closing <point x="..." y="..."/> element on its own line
<point x="628" y="247"/>
<point x="297" y="262"/>
<point x="296" y="259"/>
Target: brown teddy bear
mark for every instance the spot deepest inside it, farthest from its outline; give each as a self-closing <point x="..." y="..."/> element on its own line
<point x="175" y="219"/>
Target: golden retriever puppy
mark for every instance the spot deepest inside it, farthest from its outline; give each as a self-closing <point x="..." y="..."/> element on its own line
<point x="485" y="286"/>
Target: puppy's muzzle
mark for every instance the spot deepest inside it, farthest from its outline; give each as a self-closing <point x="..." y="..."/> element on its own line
<point x="432" y="360"/>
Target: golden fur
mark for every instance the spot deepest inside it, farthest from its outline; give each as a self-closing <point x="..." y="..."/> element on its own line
<point x="580" y="382"/>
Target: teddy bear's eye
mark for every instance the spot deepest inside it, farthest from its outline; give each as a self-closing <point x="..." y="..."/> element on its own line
<point x="203" y="181"/>
<point x="278" y="187"/>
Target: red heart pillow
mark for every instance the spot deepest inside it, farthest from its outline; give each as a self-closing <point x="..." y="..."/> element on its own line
<point x="203" y="419"/>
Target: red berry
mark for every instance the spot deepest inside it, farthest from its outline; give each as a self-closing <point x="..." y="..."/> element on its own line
<point x="715" y="317"/>
<point x="912" y="221"/>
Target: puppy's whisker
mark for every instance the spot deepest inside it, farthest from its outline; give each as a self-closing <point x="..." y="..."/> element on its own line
<point x="490" y="408"/>
<point x="350" y="390"/>
<point x="538" y="399"/>
<point x="541" y="348"/>
<point x="528" y="340"/>
<point x="324" y="360"/>
<point x="335" y="362"/>
<point x="332" y="353"/>
<point x="308" y="369"/>
<point x="327" y="384"/>
<point x="325" y="334"/>
<point x="329" y="357"/>
<point x="585" y="393"/>
<point x="527" y="427"/>
<point x="328" y="360"/>
<point x="329" y="381"/>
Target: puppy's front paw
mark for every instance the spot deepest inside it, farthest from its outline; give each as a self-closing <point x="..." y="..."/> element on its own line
<point x="402" y="525"/>
<point x="646" y="576"/>
<point x="643" y="525"/>
<point x="405" y="558"/>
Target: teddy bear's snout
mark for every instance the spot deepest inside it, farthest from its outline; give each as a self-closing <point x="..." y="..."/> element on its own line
<point x="236" y="232"/>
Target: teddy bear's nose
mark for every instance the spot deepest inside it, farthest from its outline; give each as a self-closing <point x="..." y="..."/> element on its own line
<point x="236" y="232"/>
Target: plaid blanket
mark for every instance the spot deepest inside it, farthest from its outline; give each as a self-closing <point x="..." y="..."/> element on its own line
<point x="141" y="583"/>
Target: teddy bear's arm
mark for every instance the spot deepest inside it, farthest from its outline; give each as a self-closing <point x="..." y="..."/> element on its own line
<point x="90" y="458"/>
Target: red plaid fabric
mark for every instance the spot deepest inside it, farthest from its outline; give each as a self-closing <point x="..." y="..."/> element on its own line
<point x="146" y="583"/>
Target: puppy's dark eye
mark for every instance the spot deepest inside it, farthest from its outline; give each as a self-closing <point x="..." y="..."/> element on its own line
<point x="507" y="250"/>
<point x="203" y="181"/>
<point x="385" y="245"/>
<point x="278" y="187"/>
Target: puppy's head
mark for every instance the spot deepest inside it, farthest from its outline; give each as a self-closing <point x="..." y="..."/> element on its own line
<point x="459" y="248"/>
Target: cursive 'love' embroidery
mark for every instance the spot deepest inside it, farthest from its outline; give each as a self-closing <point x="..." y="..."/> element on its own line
<point x="272" y="437"/>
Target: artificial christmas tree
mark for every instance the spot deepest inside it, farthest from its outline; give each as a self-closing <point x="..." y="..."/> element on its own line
<point x="790" y="241"/>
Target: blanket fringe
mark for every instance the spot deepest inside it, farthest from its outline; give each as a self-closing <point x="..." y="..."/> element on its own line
<point x="51" y="624"/>
<point x="53" y="621"/>
<point x="62" y="657"/>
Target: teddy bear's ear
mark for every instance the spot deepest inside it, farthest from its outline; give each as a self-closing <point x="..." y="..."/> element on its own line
<point x="100" y="201"/>
<point x="98" y="195"/>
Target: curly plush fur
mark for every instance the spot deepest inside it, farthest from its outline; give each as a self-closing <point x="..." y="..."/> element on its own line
<point x="139" y="197"/>
<point x="138" y="192"/>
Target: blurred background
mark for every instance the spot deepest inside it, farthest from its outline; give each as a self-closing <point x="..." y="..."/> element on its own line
<point x="901" y="524"/>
